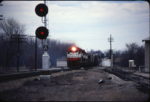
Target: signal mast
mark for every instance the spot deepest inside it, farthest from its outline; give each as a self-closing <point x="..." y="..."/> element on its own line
<point x="42" y="33"/>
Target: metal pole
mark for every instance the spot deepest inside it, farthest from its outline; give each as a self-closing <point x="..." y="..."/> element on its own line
<point x="18" y="53"/>
<point x="45" y="24"/>
<point x="35" y="53"/>
<point x="45" y="16"/>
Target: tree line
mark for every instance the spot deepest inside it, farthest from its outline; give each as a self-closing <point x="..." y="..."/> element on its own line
<point x="27" y="46"/>
<point x="133" y="51"/>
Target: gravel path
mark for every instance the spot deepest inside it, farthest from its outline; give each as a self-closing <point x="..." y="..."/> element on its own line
<point x="78" y="85"/>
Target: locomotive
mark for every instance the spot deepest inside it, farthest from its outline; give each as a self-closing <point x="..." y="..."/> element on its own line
<point x="77" y="58"/>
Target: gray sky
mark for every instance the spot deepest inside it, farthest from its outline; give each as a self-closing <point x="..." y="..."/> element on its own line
<point x="86" y="23"/>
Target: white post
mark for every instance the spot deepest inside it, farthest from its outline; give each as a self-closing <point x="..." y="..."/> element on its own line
<point x="45" y="61"/>
<point x="45" y="64"/>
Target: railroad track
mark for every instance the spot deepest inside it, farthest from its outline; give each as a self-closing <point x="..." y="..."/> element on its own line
<point x="19" y="75"/>
<point x="142" y="83"/>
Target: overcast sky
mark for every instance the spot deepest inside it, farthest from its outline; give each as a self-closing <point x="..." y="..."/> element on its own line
<point x="86" y="23"/>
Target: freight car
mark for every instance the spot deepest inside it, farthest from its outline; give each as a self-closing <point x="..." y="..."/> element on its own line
<point x="77" y="58"/>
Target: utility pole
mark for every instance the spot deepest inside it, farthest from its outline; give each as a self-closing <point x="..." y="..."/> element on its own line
<point x="18" y="38"/>
<point x="110" y="40"/>
<point x="35" y="52"/>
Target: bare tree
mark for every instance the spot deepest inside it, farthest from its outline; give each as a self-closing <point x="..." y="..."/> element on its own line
<point x="8" y="52"/>
<point x="11" y="26"/>
<point x="134" y="52"/>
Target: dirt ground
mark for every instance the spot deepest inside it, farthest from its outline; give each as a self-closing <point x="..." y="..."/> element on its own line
<point x="79" y="85"/>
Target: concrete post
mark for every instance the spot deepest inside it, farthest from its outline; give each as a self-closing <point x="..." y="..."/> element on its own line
<point x="45" y="61"/>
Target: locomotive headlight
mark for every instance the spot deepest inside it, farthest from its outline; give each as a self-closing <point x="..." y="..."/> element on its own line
<point x="73" y="49"/>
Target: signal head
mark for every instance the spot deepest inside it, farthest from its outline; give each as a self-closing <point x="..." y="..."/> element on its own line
<point x="41" y="10"/>
<point x="41" y="32"/>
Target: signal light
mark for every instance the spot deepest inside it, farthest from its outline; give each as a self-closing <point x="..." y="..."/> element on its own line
<point x="73" y="49"/>
<point x="41" y="10"/>
<point x="41" y="32"/>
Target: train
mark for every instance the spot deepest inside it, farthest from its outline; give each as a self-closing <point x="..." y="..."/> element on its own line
<point x="77" y="58"/>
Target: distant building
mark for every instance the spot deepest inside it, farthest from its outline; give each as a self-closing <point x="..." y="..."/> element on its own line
<point x="147" y="54"/>
<point x="131" y="64"/>
<point x="106" y="62"/>
<point x="62" y="62"/>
